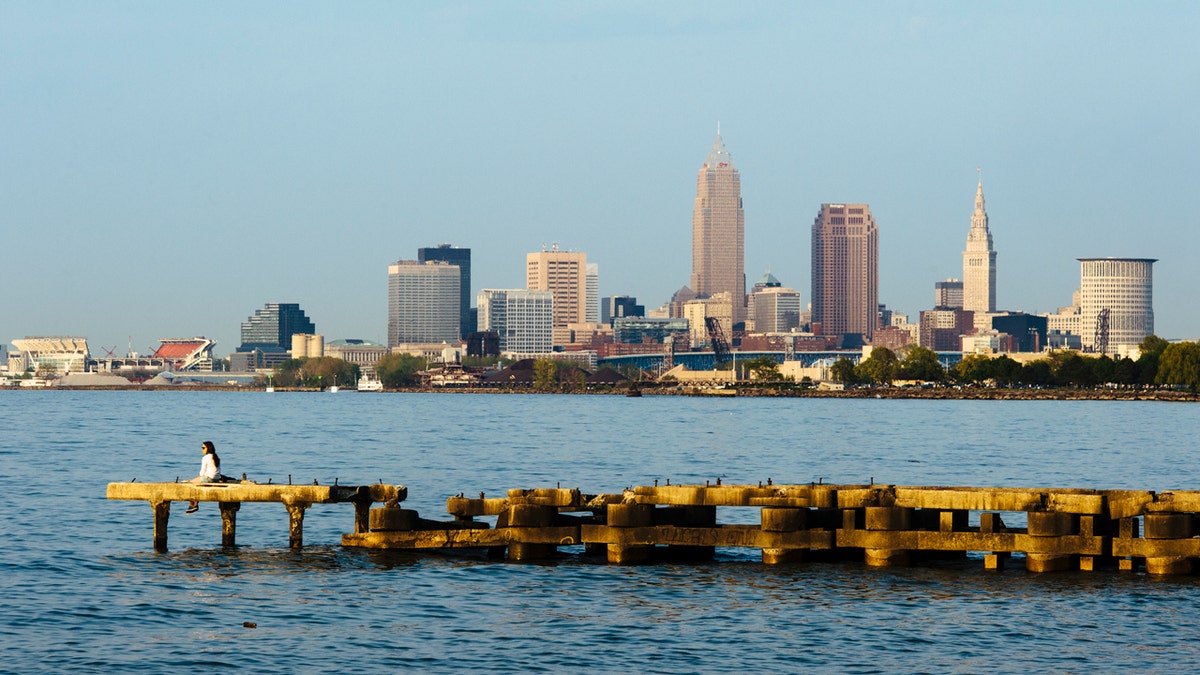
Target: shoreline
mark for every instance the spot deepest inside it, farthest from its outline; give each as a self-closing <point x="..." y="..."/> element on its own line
<point x="939" y="393"/>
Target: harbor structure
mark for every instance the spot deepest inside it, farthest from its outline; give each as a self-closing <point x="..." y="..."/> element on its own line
<point x="564" y="275"/>
<point x="979" y="262"/>
<point x="423" y="302"/>
<point x="1116" y="298"/>
<point x="845" y="272"/>
<point x="460" y="258"/>
<point x="718" y="230"/>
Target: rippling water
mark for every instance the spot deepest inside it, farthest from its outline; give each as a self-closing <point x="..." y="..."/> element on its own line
<point x="83" y="590"/>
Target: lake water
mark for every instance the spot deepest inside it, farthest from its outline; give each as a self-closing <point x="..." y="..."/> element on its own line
<point x="84" y="591"/>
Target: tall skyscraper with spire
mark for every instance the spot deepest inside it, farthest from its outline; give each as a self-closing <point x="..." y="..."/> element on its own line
<point x="979" y="262"/>
<point x="718" y="230"/>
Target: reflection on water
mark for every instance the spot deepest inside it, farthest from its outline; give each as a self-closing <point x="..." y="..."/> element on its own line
<point x="84" y="591"/>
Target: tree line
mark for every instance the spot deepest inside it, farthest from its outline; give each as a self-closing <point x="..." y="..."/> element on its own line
<point x="1159" y="364"/>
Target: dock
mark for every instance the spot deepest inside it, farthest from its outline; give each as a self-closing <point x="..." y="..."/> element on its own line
<point x="230" y="496"/>
<point x="878" y="525"/>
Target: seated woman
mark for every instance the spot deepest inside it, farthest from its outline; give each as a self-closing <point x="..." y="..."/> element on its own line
<point x="210" y="470"/>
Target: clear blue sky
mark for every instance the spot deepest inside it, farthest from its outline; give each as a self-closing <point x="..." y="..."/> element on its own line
<point x="168" y="168"/>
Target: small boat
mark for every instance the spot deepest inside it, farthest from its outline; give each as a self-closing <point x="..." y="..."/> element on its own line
<point x="333" y="389"/>
<point x="369" y="384"/>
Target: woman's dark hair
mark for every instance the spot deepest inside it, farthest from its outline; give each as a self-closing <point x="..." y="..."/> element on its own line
<point x="212" y="450"/>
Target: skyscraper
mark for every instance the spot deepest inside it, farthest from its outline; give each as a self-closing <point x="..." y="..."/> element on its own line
<point x="718" y="230"/>
<point x="564" y="274"/>
<point x="1123" y="290"/>
<point x="593" y="293"/>
<point x="271" y="328"/>
<point x="267" y="336"/>
<point x="523" y="319"/>
<point x="423" y="302"/>
<point x="979" y="262"/>
<point x="845" y="272"/>
<point x="948" y="293"/>
<point x="462" y="258"/>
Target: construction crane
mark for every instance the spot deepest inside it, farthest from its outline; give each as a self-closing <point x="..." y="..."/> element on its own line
<point x="716" y="336"/>
<point x="1100" y="338"/>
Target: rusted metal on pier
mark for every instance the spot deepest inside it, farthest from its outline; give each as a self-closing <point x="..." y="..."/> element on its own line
<point x="880" y="525"/>
<point x="230" y="496"/>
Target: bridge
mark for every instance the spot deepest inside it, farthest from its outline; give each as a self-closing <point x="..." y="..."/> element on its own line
<point x="706" y="360"/>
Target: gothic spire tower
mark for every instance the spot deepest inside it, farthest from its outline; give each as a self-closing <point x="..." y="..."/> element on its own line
<point x="718" y="230"/>
<point x="979" y="262"/>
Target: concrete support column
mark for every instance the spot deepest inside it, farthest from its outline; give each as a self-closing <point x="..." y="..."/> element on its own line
<point x="529" y="515"/>
<point x="1050" y="524"/>
<point x="392" y="519"/>
<point x="885" y="519"/>
<point x="296" y="523"/>
<point x="992" y="523"/>
<point x="629" y="516"/>
<point x="1169" y="526"/>
<point x="783" y="520"/>
<point x="362" y="515"/>
<point x="1127" y="528"/>
<point x="229" y="522"/>
<point x="688" y="516"/>
<point x="162" y="514"/>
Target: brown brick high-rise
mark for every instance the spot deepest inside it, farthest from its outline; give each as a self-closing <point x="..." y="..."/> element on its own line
<point x="845" y="272"/>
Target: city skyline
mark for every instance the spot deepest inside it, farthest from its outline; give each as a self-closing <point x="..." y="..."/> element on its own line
<point x="170" y="169"/>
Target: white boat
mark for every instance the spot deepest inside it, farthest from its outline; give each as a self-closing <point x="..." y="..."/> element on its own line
<point x="333" y="389"/>
<point x="369" y="384"/>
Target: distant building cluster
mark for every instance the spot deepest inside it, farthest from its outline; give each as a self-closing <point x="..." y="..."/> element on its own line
<point x="560" y="310"/>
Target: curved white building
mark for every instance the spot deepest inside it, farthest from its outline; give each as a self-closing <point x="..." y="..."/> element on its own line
<point x="1124" y="287"/>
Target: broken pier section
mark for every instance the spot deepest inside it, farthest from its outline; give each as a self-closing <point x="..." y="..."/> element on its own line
<point x="881" y="525"/>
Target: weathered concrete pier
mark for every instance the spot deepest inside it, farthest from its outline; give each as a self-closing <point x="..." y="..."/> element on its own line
<point x="880" y="525"/>
<point x="230" y="496"/>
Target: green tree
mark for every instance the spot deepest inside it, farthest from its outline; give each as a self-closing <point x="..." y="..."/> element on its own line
<point x="843" y="371"/>
<point x="399" y="370"/>
<point x="973" y="368"/>
<point x="1037" y="373"/>
<point x="545" y="375"/>
<point x="920" y="363"/>
<point x="1152" y="344"/>
<point x="1180" y="365"/>
<point x="1005" y="371"/>
<point x="880" y="367"/>
<point x="46" y="371"/>
<point x="1104" y="370"/>
<point x="1125" y="372"/>
<point x="1074" y="370"/>
<point x="763" y="368"/>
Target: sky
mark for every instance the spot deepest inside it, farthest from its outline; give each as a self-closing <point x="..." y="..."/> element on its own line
<point x="166" y="169"/>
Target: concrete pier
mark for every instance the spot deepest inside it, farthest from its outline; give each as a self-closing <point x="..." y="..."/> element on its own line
<point x="878" y="525"/>
<point x="1051" y="529"/>
<point x="230" y="496"/>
